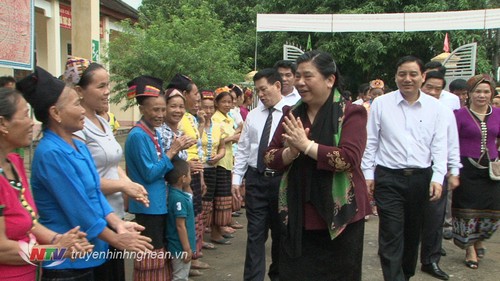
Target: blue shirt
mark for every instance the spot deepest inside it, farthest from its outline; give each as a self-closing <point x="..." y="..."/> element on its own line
<point x="67" y="193"/>
<point x="145" y="167"/>
<point x="180" y="205"/>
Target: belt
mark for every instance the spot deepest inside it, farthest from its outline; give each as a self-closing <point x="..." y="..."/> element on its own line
<point x="404" y="172"/>
<point x="268" y="173"/>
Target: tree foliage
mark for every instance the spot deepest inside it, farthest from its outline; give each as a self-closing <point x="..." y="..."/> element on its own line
<point x="191" y="41"/>
<point x="214" y="41"/>
<point x="366" y="56"/>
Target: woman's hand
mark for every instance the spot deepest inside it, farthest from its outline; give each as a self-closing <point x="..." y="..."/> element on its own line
<point x="196" y="166"/>
<point x="74" y="241"/>
<point x="128" y="226"/>
<point x="132" y="241"/>
<point x="136" y="191"/>
<point x="213" y="160"/>
<point x="203" y="189"/>
<point x="201" y="116"/>
<point x="129" y="238"/>
<point x="181" y="143"/>
<point x="295" y="135"/>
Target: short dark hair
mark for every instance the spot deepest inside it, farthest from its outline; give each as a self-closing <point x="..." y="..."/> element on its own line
<point x="435" y="64"/>
<point x="363" y="88"/>
<point x="458" y="84"/>
<point x="325" y="64"/>
<point x="436" y="75"/>
<point x="86" y="78"/>
<point x="236" y="89"/>
<point x="4" y="80"/>
<point x="8" y="102"/>
<point x="271" y="74"/>
<point x="286" y="64"/>
<point x="180" y="168"/>
<point x="411" y="58"/>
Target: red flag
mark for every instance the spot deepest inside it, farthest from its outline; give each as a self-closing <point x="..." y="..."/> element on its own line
<point x="446" y="46"/>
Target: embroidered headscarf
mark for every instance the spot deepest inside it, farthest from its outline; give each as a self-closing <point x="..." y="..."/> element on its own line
<point x="474" y="81"/>
<point x="75" y="67"/>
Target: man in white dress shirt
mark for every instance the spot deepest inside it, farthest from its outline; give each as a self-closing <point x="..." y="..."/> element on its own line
<point x="287" y="69"/>
<point x="262" y="184"/>
<point x="447" y="98"/>
<point x="406" y="133"/>
<point x="432" y="230"/>
<point x="454" y="102"/>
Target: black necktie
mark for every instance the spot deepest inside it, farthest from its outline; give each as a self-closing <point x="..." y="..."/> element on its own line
<point x="264" y="140"/>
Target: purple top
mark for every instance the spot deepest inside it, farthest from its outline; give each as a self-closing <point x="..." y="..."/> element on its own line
<point x="469" y="133"/>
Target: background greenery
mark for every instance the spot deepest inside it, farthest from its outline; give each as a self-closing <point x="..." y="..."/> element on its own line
<point x="214" y="41"/>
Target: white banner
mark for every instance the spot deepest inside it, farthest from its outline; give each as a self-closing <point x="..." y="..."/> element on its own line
<point x="397" y="22"/>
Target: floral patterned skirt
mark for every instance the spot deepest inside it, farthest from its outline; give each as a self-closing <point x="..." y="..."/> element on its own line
<point x="475" y="206"/>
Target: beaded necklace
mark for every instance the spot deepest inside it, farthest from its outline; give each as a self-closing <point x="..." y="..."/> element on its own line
<point x="483" y="128"/>
<point x="17" y="185"/>
<point x="482" y="114"/>
<point x="209" y="141"/>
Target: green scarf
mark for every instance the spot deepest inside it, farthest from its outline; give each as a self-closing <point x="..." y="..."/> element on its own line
<point x="301" y="180"/>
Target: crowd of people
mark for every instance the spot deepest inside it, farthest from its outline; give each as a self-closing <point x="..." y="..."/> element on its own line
<point x="308" y="164"/>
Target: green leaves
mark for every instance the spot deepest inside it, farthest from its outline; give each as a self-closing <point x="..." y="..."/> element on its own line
<point x="192" y="41"/>
<point x="214" y="41"/>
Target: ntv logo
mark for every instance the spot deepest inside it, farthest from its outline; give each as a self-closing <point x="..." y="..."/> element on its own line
<point x="31" y="253"/>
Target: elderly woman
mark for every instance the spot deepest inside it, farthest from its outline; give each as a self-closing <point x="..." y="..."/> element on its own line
<point x="147" y="164"/>
<point x="65" y="181"/>
<point x="91" y="81"/>
<point x="18" y="214"/>
<point x="174" y="141"/>
<point x="476" y="201"/>
<point x="191" y="126"/>
<point x="323" y="195"/>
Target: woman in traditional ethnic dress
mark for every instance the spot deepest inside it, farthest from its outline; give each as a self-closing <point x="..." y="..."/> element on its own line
<point x="214" y="149"/>
<point x="223" y="201"/>
<point x="147" y="165"/>
<point x="476" y="201"/>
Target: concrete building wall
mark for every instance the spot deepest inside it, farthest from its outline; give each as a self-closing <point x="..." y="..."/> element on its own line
<point x="52" y="41"/>
<point x="41" y="39"/>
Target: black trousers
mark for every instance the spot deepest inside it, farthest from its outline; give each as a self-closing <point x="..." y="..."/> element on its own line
<point x="261" y="199"/>
<point x="432" y="228"/>
<point x="400" y="196"/>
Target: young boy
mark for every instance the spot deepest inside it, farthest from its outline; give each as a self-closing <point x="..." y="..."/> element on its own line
<point x="180" y="220"/>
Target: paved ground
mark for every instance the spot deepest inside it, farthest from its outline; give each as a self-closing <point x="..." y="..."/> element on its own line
<point x="227" y="261"/>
